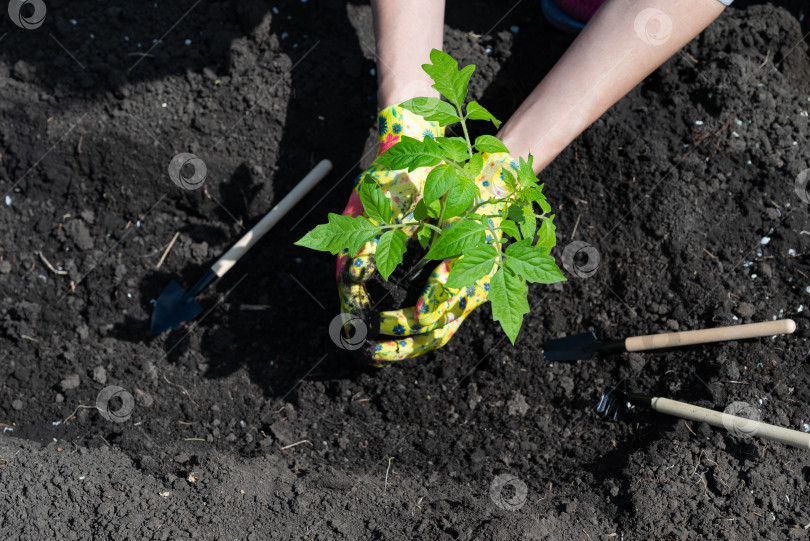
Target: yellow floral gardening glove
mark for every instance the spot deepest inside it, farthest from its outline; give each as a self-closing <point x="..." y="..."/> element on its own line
<point x="440" y="310"/>
<point x="403" y="188"/>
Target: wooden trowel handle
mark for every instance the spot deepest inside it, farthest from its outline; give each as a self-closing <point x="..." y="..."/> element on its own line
<point x="250" y="238"/>
<point x="705" y="336"/>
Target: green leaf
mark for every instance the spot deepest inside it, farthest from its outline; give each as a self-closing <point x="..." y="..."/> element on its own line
<point x="410" y="153"/>
<point x="507" y="293"/>
<point x="546" y="236"/>
<point x="474" y="166"/>
<point x="476" y="263"/>
<point x="389" y="251"/>
<point x="544" y="205"/>
<point x="420" y="211"/>
<point x="532" y="263"/>
<point x="439" y="180"/>
<point x="529" y="224"/>
<point x="509" y="180"/>
<point x="442" y="70"/>
<point x="447" y="79"/>
<point x="460" y="197"/>
<point x="531" y="193"/>
<point x="423" y="236"/>
<point x="526" y="175"/>
<point x="477" y="112"/>
<point x="432" y="109"/>
<point x="375" y="203"/>
<point x="461" y="81"/>
<point x="454" y="148"/>
<point x="489" y="143"/>
<point x="457" y="238"/>
<point x="341" y="232"/>
<point x="510" y="228"/>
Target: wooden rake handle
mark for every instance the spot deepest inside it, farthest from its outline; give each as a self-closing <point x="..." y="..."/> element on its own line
<point x="740" y="426"/>
<point x="705" y="336"/>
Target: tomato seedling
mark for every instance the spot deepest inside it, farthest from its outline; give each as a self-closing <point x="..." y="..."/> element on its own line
<point x="517" y="255"/>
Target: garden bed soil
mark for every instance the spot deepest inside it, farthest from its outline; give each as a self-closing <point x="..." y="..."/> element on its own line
<point x="251" y="424"/>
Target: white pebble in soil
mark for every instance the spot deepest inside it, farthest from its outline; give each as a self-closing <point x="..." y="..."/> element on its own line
<point x="8" y="201"/>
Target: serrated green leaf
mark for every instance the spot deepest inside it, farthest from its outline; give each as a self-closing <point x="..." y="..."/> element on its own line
<point x="457" y="238"/>
<point x="532" y="193"/>
<point x="525" y="173"/>
<point x="510" y="228"/>
<point x="341" y="232"/>
<point x="475" y="165"/>
<point x="477" y="112"/>
<point x="489" y="143"/>
<point x="544" y="205"/>
<point x="507" y="293"/>
<point x="476" y="263"/>
<point x="460" y="197"/>
<point x="410" y="154"/>
<point x="460" y="82"/>
<point x="389" y="252"/>
<point x="443" y="70"/>
<point x="375" y="203"/>
<point x="432" y="109"/>
<point x="546" y="235"/>
<point x="509" y="180"/>
<point x="447" y="79"/>
<point x="529" y="224"/>
<point x="532" y="263"/>
<point x="439" y="181"/>
<point x="454" y="148"/>
<point x="423" y="236"/>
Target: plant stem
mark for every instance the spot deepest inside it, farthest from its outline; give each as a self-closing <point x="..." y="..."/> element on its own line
<point x="410" y="224"/>
<point x="462" y="117"/>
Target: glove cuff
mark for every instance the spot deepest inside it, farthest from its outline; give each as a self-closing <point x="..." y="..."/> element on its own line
<point x="393" y="122"/>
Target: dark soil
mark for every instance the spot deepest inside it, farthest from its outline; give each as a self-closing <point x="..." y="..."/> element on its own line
<point x="251" y="424"/>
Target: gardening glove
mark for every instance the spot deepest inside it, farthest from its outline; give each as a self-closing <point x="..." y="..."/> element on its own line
<point x="404" y="189"/>
<point x="441" y="310"/>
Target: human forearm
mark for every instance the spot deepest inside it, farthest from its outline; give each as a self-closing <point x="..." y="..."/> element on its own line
<point x="613" y="54"/>
<point x="406" y="31"/>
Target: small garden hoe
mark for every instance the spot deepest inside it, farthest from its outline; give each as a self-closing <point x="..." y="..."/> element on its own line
<point x="176" y="305"/>
<point x="584" y="346"/>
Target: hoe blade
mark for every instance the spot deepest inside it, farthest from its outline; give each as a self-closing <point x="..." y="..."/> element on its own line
<point x="172" y="308"/>
<point x="570" y="348"/>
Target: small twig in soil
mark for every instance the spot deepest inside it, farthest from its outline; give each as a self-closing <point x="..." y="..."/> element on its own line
<point x="168" y="248"/>
<point x="296" y="443"/>
<point x="48" y="264"/>
<point x="689" y="428"/>
<point x="80" y="406"/>
<point x="387" y="471"/>
<point x="574" y="232"/>
<point x="185" y="392"/>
